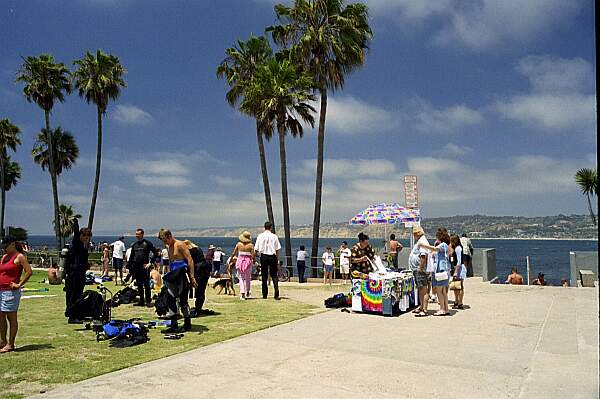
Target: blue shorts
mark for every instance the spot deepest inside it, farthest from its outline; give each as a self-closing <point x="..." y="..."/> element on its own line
<point x="117" y="263"/>
<point x="9" y="300"/>
<point x="329" y="268"/>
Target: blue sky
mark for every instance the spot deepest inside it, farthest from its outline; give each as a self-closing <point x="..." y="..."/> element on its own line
<point x="490" y="103"/>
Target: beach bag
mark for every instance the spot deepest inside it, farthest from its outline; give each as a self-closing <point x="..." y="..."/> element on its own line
<point x="441" y="276"/>
<point x="455" y="285"/>
<point x="125" y="296"/>
<point x="88" y="306"/>
<point x="337" y="301"/>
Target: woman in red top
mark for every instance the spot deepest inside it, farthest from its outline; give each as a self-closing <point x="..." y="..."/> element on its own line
<point x="11" y="267"/>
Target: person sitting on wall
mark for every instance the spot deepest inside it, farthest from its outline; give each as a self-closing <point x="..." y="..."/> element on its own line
<point x="514" y="277"/>
<point x="540" y="280"/>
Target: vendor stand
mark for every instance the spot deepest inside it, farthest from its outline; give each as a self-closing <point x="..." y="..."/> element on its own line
<point x="382" y="291"/>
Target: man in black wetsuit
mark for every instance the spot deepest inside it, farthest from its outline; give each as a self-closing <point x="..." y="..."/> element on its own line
<point x="138" y="264"/>
<point x="75" y="268"/>
<point x="202" y="274"/>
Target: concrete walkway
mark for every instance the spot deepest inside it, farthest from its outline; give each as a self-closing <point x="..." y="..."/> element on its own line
<point x="513" y="342"/>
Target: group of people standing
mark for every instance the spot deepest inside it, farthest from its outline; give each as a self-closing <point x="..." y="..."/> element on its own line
<point x="439" y="268"/>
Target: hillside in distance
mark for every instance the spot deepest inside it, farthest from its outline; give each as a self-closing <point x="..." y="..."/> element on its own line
<point x="477" y="226"/>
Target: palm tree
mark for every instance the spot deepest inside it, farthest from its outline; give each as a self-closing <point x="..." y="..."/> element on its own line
<point x="65" y="153"/>
<point x="11" y="174"/>
<point x="238" y="68"/>
<point x="330" y="40"/>
<point x="65" y="150"/>
<point x="9" y="139"/>
<point x="280" y="97"/>
<point x="98" y="78"/>
<point x="587" y="179"/>
<point x="67" y="220"/>
<point x="45" y="83"/>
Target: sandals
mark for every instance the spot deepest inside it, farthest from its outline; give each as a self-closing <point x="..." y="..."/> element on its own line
<point x="421" y="314"/>
<point x="417" y="310"/>
<point x="441" y="314"/>
<point x="6" y="350"/>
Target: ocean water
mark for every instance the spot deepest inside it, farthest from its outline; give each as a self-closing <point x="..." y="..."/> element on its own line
<point x="550" y="257"/>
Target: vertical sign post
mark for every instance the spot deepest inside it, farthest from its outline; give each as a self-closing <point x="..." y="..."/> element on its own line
<point x="411" y="198"/>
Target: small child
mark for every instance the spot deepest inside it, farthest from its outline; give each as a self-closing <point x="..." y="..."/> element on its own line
<point x="328" y="260"/>
<point x="155" y="278"/>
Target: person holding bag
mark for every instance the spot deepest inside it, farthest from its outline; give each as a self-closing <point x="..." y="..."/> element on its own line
<point x="440" y="279"/>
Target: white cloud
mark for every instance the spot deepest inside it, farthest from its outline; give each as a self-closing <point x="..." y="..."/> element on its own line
<point x="448" y="185"/>
<point x="163" y="167"/>
<point x="162" y="181"/>
<point x="131" y="115"/>
<point x="561" y="97"/>
<point x="456" y="150"/>
<point x="551" y="112"/>
<point x="347" y="115"/>
<point x="227" y="181"/>
<point x="549" y="74"/>
<point x="334" y="168"/>
<point x="479" y="24"/>
<point x="431" y="120"/>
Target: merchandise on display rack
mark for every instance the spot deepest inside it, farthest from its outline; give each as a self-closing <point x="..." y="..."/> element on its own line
<point x="384" y="292"/>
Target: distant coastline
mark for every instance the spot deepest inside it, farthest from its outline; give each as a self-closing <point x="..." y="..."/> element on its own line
<point x="559" y="227"/>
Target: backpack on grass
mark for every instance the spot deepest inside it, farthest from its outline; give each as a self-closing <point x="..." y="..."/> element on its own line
<point x="90" y="305"/>
<point x="338" y="301"/>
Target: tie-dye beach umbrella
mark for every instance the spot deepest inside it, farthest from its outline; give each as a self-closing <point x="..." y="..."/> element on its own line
<point x="386" y="214"/>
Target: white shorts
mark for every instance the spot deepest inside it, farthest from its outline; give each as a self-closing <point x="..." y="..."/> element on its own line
<point x="345" y="269"/>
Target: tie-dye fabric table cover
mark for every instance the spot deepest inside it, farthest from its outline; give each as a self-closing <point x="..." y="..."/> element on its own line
<point x="381" y="294"/>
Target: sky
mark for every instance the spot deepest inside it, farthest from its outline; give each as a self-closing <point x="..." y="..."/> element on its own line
<point x="491" y="103"/>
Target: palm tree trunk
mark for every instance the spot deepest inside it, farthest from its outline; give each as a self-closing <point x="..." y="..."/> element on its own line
<point x="319" y="181"/>
<point x="98" y="163"/>
<point x="2" y="158"/>
<point x="284" y="198"/>
<point x="589" y="207"/>
<point x="265" y="175"/>
<point x="53" y="179"/>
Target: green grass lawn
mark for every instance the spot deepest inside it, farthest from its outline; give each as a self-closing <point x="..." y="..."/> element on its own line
<point x="50" y="351"/>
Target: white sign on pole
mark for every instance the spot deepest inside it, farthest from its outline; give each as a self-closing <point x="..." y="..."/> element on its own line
<point x="411" y="193"/>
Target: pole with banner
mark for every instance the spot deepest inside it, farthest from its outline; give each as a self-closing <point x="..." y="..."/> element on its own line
<point x="411" y="200"/>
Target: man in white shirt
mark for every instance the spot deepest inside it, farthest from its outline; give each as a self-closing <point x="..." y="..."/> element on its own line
<point x="345" y="254"/>
<point x="268" y="246"/>
<point x="117" y="258"/>
<point x="217" y="261"/>
<point x="301" y="263"/>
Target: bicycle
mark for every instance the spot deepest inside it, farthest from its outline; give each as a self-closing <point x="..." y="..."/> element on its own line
<point x="283" y="273"/>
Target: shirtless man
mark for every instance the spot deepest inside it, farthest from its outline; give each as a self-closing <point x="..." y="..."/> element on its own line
<point x="395" y="247"/>
<point x="53" y="275"/>
<point x="176" y="280"/>
<point x="514" y="277"/>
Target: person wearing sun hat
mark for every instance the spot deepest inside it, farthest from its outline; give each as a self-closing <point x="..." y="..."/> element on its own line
<point x="417" y="262"/>
<point x="244" y="251"/>
<point x="12" y="265"/>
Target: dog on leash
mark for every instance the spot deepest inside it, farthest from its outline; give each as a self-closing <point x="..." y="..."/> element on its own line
<point x="226" y="283"/>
